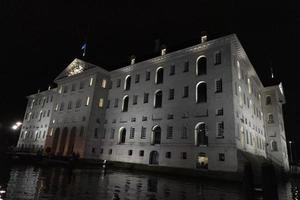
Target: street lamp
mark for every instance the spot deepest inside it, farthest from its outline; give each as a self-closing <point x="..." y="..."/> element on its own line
<point x="291" y="154"/>
<point x="16" y="125"/>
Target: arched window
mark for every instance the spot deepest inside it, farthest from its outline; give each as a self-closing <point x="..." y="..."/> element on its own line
<point x="127" y="83"/>
<point x="71" y="141"/>
<point x="122" y="135"/>
<point x="201" y="92"/>
<point x="62" y="142"/>
<point x="268" y="100"/>
<point x="201" y="65"/>
<point x="159" y="78"/>
<point x="55" y="140"/>
<point x="274" y="146"/>
<point x="156" y="135"/>
<point x="125" y="103"/>
<point x="200" y="134"/>
<point x="158" y="99"/>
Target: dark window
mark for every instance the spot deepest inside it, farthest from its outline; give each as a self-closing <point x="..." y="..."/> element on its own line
<point x="218" y="85"/>
<point x="130" y="152"/>
<point x="185" y="91"/>
<point x="220" y="131"/>
<point x="148" y="75"/>
<point x="219" y="112"/>
<point x="201" y="66"/>
<point x="170" y="116"/>
<point x="186" y="66"/>
<point x="168" y="154"/>
<point x="93" y="150"/>
<point x="169" y="132"/>
<point x="112" y="133"/>
<point x="131" y="135"/>
<point x="118" y="83"/>
<point x="171" y="94"/>
<point x="144" y="118"/>
<point x="218" y="58"/>
<point x="201" y="92"/>
<point x="116" y="103"/>
<point x="146" y="97"/>
<point x="221" y="157"/>
<point x="158" y="99"/>
<point x="143" y="132"/>
<point x="135" y="98"/>
<point x="125" y="104"/>
<point x="159" y="76"/>
<point x="141" y="153"/>
<point x="110" y="151"/>
<point x="108" y="104"/>
<point x="172" y="70"/>
<point x="268" y="100"/>
<point x="183" y="155"/>
<point x="137" y="78"/>
<point x="127" y="83"/>
<point x="96" y="133"/>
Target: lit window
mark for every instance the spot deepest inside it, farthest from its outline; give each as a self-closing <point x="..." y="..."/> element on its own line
<point x="91" y="81"/>
<point x="239" y="70"/>
<point x="103" y="84"/>
<point x="87" y="101"/>
<point x="59" y="90"/>
<point x="249" y="85"/>
<point x="240" y="96"/>
<point x="101" y="101"/>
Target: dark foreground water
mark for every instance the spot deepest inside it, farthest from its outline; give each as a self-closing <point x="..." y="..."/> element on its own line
<point x="29" y="182"/>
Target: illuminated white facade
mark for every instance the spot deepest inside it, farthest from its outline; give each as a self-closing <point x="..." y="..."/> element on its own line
<point x="197" y="108"/>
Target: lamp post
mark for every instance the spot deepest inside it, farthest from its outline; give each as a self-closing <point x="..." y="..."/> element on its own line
<point x="291" y="153"/>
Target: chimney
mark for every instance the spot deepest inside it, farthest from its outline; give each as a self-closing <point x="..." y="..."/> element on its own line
<point x="49" y="87"/>
<point x="203" y="36"/>
<point x="163" y="50"/>
<point x="132" y="59"/>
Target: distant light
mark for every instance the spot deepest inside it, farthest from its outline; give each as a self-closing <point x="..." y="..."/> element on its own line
<point x="14" y="127"/>
<point x="19" y="123"/>
<point x="2" y="191"/>
<point x="290" y="142"/>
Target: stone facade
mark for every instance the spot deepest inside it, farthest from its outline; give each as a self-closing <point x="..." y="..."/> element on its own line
<point x="194" y="108"/>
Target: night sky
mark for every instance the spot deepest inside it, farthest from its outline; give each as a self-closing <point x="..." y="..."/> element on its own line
<point x="40" y="38"/>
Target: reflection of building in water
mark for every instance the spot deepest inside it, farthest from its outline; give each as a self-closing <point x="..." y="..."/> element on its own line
<point x="202" y="108"/>
<point x="23" y="183"/>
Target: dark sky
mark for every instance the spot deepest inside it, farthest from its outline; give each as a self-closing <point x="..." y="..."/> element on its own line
<point x="40" y="38"/>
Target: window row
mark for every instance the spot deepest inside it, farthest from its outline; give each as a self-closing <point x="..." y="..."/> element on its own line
<point x="37" y="115"/>
<point x="201" y="69"/>
<point x="73" y="87"/>
<point x="200" y="133"/>
<point x="40" y="101"/>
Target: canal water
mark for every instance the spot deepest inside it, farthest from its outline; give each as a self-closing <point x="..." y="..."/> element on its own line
<point x="25" y="182"/>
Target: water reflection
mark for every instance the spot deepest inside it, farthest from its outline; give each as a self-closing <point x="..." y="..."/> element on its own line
<point x="27" y="182"/>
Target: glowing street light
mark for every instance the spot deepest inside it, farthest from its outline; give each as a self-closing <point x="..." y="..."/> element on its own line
<point x="16" y="125"/>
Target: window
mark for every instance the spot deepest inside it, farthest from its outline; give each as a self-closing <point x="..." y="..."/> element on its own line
<point x="78" y="103"/>
<point x="270" y="118"/>
<point x="201" y="65"/>
<point x="201" y="137"/>
<point x="112" y="133"/>
<point x="146" y="97"/>
<point x="141" y="153"/>
<point x="101" y="102"/>
<point x="274" y="146"/>
<point x="219" y="86"/>
<point x="122" y="136"/>
<point x="221" y="157"/>
<point x="48" y="114"/>
<point x="184" y="132"/>
<point x="87" y="101"/>
<point x="133" y="119"/>
<point x="158" y="99"/>
<point x="59" y="91"/>
<point x="70" y="105"/>
<point x="135" y="99"/>
<point x="218" y="58"/>
<point x="110" y="151"/>
<point x="239" y="70"/>
<point x="73" y="87"/>
<point x="104" y="83"/>
<point x="101" y="151"/>
<point x="118" y="83"/>
<point x="81" y="131"/>
<point x="116" y="103"/>
<point x="144" y="118"/>
<point x="186" y="66"/>
<point x="96" y="133"/>
<point x="240" y="96"/>
<point x="249" y="86"/>
<point x="171" y="94"/>
<point x="148" y="75"/>
<point x="143" y="132"/>
<point x="125" y="103"/>
<point x="268" y="100"/>
<point x="62" y="105"/>
<point x="220" y="129"/>
<point x="159" y="78"/>
<point x="201" y="90"/>
<point x="172" y="70"/>
<point x="183" y="155"/>
<point x="168" y="154"/>
<point x="91" y="81"/>
<point x="132" y="131"/>
<point x="169" y="132"/>
<point x="130" y="152"/>
<point x="219" y="112"/>
<point x="81" y="85"/>
<point x="170" y="116"/>
<point x="127" y="83"/>
<point x="137" y="78"/>
<point x="185" y="92"/>
<point x="108" y="104"/>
